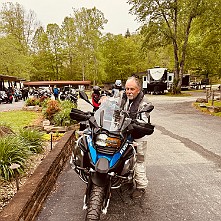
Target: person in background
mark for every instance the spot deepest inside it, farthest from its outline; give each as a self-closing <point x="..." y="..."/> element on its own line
<point x="24" y="92"/>
<point x="133" y="100"/>
<point x="117" y="89"/>
<point x="56" y="92"/>
<point x="96" y="97"/>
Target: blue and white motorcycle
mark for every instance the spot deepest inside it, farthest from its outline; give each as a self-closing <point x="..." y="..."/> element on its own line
<point x="104" y="155"/>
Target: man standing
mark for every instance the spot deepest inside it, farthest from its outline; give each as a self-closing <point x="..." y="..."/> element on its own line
<point x="56" y="92"/>
<point x="133" y="101"/>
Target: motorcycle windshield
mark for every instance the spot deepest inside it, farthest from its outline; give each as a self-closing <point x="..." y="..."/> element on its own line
<point x="110" y="117"/>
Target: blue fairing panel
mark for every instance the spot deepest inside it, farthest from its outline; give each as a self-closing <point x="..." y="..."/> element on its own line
<point x="92" y="150"/>
<point x="118" y="155"/>
<point x="113" y="159"/>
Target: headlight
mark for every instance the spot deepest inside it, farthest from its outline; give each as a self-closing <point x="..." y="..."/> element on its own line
<point x="104" y="141"/>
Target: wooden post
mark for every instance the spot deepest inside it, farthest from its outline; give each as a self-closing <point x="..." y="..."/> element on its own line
<point x="51" y="140"/>
<point x="212" y="97"/>
<point x="14" y="167"/>
<point x="220" y="92"/>
<point x="207" y="95"/>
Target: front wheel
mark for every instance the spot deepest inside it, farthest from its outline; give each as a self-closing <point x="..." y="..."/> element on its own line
<point x="95" y="203"/>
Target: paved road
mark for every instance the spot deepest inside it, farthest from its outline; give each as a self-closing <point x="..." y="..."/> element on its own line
<point x="183" y="166"/>
<point x="13" y="106"/>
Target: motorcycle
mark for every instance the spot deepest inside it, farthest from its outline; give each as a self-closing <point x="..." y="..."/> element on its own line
<point x="17" y="95"/>
<point x="67" y="95"/>
<point x="2" y="96"/>
<point x="104" y="156"/>
<point x="8" y="97"/>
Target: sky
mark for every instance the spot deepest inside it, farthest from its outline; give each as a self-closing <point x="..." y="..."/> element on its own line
<point x="54" y="11"/>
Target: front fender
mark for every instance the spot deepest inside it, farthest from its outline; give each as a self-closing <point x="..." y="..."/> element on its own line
<point x="101" y="177"/>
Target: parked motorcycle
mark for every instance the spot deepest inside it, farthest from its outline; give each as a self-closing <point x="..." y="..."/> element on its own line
<point x="7" y="96"/>
<point x="2" y="96"/>
<point x="68" y="95"/>
<point x="17" y="95"/>
<point x="104" y="156"/>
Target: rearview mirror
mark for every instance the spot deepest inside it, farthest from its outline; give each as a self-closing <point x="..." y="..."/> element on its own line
<point x="147" y="108"/>
<point x="84" y="96"/>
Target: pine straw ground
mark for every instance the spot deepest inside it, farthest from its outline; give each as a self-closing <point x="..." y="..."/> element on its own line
<point x="8" y="189"/>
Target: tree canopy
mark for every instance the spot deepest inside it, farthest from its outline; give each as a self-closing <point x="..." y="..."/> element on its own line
<point x="181" y="35"/>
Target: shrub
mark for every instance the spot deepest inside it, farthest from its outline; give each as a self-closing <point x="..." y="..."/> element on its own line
<point x="32" y="139"/>
<point x="52" y="108"/>
<point x="62" y="118"/>
<point x="11" y="151"/>
<point x="43" y="101"/>
<point x="33" y="101"/>
<point x="67" y="104"/>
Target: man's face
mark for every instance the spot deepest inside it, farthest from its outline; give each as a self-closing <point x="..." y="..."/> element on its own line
<point x="132" y="90"/>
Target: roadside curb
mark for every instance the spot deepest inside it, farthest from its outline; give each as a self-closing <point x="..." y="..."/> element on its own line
<point x="28" y="201"/>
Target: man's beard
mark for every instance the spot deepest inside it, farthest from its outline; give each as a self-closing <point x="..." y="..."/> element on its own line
<point x="130" y="96"/>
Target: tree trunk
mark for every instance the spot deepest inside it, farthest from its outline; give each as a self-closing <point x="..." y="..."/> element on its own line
<point x="83" y="72"/>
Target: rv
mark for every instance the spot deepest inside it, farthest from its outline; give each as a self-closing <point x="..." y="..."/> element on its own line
<point x="158" y="80"/>
<point x="155" y="81"/>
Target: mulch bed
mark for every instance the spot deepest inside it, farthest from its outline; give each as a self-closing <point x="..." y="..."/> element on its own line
<point x="9" y="189"/>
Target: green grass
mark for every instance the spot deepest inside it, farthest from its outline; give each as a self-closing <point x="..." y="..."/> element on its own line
<point x="18" y="147"/>
<point x="215" y="103"/>
<point x="18" y="119"/>
<point x="204" y="109"/>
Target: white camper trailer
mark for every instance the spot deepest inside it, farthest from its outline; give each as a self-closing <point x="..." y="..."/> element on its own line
<point x="155" y="81"/>
<point x="170" y="78"/>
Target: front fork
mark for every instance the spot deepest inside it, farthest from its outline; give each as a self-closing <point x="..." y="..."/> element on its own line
<point x="107" y="196"/>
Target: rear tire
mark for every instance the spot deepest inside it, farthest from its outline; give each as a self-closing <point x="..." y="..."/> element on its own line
<point x="95" y="203"/>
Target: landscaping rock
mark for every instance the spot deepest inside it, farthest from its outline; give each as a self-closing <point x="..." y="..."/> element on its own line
<point x="214" y="109"/>
<point x="32" y="108"/>
<point x="48" y="128"/>
<point x="52" y="128"/>
<point x="5" y="131"/>
<point x="46" y="123"/>
<point x="59" y="129"/>
<point x="201" y="100"/>
<point x="202" y="105"/>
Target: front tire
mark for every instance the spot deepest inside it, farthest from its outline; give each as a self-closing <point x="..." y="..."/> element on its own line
<point x="95" y="203"/>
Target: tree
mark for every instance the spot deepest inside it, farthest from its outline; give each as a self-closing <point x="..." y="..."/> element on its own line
<point x="169" y="22"/>
<point x="205" y="43"/>
<point x="72" y="69"/>
<point x="16" y="22"/>
<point x="127" y="34"/>
<point x="12" y="61"/>
<point x="16" y="28"/>
<point x="42" y="57"/>
<point x="123" y="56"/>
<point x="89" y="23"/>
<point x="55" y="42"/>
